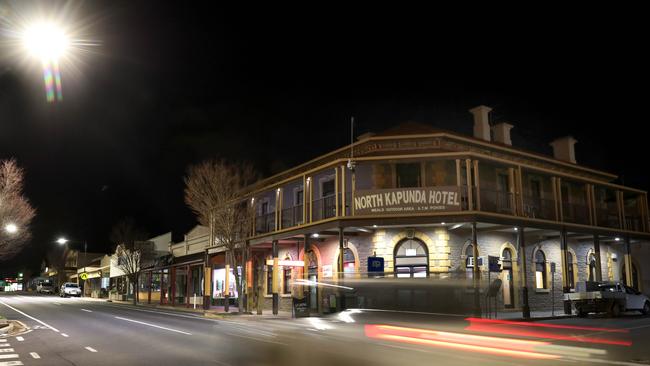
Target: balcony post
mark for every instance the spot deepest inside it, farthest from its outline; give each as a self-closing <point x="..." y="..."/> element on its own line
<point x="276" y="277"/>
<point x="520" y="187"/>
<point x="525" y="307"/>
<point x="476" y="272"/>
<point x="305" y="272"/>
<point x="343" y="203"/>
<point x="304" y="199"/>
<point x="595" y="206"/>
<point x="565" y="269"/>
<point x="477" y="185"/>
<point x="470" y="193"/>
<point x="336" y="192"/>
<point x="599" y="271"/>
<point x="353" y="193"/>
<point x="511" y="190"/>
<point x="621" y="209"/>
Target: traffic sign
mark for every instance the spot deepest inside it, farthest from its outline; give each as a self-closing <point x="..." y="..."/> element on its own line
<point x="84" y="276"/>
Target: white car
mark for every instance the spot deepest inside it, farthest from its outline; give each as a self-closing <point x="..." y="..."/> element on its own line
<point x="70" y="289"/>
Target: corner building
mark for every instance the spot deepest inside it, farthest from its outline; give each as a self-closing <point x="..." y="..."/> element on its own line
<point x="447" y="214"/>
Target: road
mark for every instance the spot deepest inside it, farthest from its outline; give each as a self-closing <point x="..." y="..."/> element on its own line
<point x="75" y="331"/>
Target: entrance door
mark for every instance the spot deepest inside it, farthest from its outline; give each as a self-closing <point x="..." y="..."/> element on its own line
<point x="506" y="277"/>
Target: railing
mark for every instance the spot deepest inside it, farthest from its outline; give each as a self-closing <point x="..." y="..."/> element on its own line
<point x="539" y="208"/>
<point x="265" y="223"/>
<point x="633" y="222"/>
<point x="607" y="215"/>
<point x="575" y="213"/>
<point x="292" y="216"/>
<point x="324" y="208"/>
<point x="496" y="201"/>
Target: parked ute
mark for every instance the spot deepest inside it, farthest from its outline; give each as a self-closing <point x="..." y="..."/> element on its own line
<point x="70" y="289"/>
<point x="45" y="288"/>
<point x="613" y="298"/>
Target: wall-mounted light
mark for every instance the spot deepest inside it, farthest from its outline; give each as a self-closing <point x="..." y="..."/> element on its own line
<point x="617" y="239"/>
<point x="316" y="235"/>
<point x="375" y="226"/>
<point x="516" y="229"/>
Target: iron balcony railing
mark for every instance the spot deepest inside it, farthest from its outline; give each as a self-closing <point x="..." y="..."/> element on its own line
<point x="496" y="201"/>
<point x="577" y="213"/>
<point x="265" y="223"/>
<point x="539" y="208"/>
<point x="324" y="208"/>
<point x="607" y="215"/>
<point x="292" y="216"/>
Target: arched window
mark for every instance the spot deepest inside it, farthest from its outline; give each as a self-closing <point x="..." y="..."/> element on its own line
<point x="591" y="261"/>
<point x="411" y="259"/>
<point x="348" y="261"/>
<point x="540" y="270"/>
<point x="570" y="270"/>
<point x="469" y="256"/>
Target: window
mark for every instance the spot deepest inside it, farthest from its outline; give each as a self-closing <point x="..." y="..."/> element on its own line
<point x="264" y="208"/>
<point x="408" y="175"/>
<point x="540" y="270"/>
<point x="287" y="280"/>
<point x="298" y="199"/>
<point x="570" y="270"/>
<point x="411" y="259"/>
<point x="328" y="188"/>
<point x="469" y="256"/>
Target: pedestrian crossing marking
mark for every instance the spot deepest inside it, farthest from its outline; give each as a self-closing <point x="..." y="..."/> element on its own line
<point x="11" y="363"/>
<point x="6" y="350"/>
<point x="13" y="355"/>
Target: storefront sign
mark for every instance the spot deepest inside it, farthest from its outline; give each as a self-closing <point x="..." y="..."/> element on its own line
<point x="493" y="264"/>
<point x="406" y="200"/>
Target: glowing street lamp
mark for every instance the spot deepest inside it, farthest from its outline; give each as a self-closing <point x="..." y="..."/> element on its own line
<point x="11" y="228"/>
<point x="62" y="240"/>
<point x="47" y="42"/>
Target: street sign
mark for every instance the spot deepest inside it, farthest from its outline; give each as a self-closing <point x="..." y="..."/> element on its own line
<point x="493" y="264"/>
<point x="375" y="264"/>
<point x="84" y="276"/>
<point x="552" y="267"/>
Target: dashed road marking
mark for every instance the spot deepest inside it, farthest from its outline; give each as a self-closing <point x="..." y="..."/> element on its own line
<point x="34" y="355"/>
<point x="91" y="349"/>
<point x="86" y="310"/>
<point x="20" y="339"/>
<point x="65" y="335"/>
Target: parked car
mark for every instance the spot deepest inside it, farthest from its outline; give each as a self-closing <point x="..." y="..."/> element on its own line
<point x="611" y="297"/>
<point x="70" y="289"/>
<point x="44" y="287"/>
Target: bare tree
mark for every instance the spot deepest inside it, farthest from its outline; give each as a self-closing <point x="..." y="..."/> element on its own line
<point x="133" y="251"/>
<point x="213" y="191"/>
<point x="16" y="213"/>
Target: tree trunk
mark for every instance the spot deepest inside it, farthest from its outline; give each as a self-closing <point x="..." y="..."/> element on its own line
<point x="135" y="292"/>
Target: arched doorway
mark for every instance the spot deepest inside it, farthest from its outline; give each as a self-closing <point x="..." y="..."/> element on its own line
<point x="312" y="277"/>
<point x="507" y="278"/>
<point x="349" y="262"/>
<point x="411" y="259"/>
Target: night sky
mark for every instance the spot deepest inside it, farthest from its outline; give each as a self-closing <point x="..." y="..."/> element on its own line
<point x="170" y="85"/>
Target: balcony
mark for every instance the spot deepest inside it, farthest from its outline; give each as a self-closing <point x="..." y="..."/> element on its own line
<point x="324" y="208"/>
<point x="539" y="208"/>
<point x="496" y="201"/>
<point x="292" y="216"/>
<point x="607" y="215"/>
<point x="576" y="213"/>
<point x="265" y="223"/>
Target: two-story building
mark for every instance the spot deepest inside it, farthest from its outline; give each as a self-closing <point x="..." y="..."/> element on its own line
<point x="440" y="205"/>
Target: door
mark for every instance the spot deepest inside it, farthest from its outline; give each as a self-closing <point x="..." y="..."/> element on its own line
<point x="507" y="279"/>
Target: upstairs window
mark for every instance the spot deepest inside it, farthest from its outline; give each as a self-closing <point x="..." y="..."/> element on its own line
<point x="408" y="175"/>
<point x="328" y="188"/>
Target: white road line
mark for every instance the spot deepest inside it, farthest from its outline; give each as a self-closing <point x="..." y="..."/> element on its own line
<point x="20" y="339"/>
<point x="29" y="316"/>
<point x="6" y="350"/>
<point x="91" y="349"/>
<point x="11" y="363"/>
<point x="4" y="345"/>
<point x="34" y="355"/>
<point x="65" y="335"/>
<point x="4" y="357"/>
<point x="153" y="325"/>
<point x="86" y="310"/>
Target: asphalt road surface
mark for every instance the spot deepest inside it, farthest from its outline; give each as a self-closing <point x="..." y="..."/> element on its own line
<point x="75" y="331"/>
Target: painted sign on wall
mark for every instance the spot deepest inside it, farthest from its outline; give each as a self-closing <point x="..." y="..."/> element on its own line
<point x="407" y="200"/>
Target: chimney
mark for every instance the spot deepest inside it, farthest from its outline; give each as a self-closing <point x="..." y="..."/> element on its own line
<point x="481" y="122"/>
<point x="563" y="149"/>
<point x="501" y="133"/>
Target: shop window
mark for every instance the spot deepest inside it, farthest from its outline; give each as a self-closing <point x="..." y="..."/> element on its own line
<point x="408" y="175"/>
<point x="540" y="270"/>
